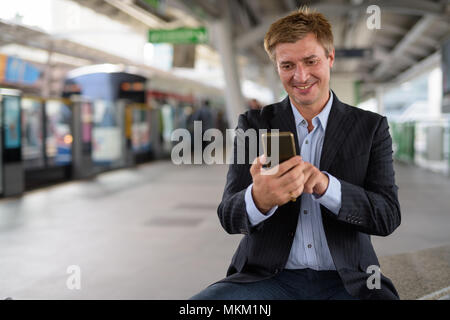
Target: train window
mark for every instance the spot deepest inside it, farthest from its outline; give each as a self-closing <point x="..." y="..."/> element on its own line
<point x="106" y="134"/>
<point x="140" y="129"/>
<point x="32" y="133"/>
<point x="59" y="135"/>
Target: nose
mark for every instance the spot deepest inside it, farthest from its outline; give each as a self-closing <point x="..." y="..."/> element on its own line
<point x="301" y="74"/>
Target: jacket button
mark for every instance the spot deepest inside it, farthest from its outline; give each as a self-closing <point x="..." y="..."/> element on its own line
<point x="276" y="271"/>
<point x="291" y="234"/>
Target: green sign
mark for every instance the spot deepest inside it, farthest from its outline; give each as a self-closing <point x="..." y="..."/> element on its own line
<point x="180" y="35"/>
<point x="153" y="3"/>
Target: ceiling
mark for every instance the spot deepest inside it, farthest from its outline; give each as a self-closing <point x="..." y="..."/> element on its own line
<point x="410" y="33"/>
<point x="410" y="30"/>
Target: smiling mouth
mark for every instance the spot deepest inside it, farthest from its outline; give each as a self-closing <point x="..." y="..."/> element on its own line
<point x="304" y="87"/>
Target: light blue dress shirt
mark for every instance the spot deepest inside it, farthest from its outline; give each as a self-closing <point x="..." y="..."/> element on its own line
<point x="310" y="248"/>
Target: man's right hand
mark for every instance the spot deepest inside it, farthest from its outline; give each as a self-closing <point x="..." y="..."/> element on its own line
<point x="278" y="185"/>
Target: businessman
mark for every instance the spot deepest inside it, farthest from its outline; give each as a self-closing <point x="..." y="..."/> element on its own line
<point x="319" y="246"/>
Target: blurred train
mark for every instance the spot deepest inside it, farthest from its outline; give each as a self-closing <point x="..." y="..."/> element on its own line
<point x="108" y="116"/>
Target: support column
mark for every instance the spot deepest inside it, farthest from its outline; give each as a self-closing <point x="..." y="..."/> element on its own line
<point x="379" y="94"/>
<point x="222" y="32"/>
<point x="344" y="87"/>
<point x="435" y="93"/>
<point x="273" y="82"/>
<point x="46" y="90"/>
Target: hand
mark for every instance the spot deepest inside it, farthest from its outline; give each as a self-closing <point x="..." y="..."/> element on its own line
<point x="315" y="180"/>
<point x="278" y="185"/>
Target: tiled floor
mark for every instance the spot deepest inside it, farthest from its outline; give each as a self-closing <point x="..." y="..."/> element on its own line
<point x="153" y="233"/>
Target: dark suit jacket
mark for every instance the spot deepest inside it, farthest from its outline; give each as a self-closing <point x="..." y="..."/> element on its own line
<point x="357" y="150"/>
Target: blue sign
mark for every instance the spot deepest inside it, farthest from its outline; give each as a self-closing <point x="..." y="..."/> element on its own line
<point x="19" y="71"/>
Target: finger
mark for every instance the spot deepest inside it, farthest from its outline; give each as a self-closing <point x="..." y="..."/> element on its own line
<point x="299" y="191"/>
<point x="294" y="194"/>
<point x="293" y="175"/>
<point x="302" y="171"/>
<point x="311" y="183"/>
<point x="288" y="165"/>
<point x="308" y="170"/>
<point x="257" y="165"/>
<point x="294" y="184"/>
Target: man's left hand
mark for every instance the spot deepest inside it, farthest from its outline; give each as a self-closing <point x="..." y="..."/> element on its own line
<point x="315" y="180"/>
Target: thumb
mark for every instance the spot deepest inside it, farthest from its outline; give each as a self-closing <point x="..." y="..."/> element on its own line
<point x="257" y="164"/>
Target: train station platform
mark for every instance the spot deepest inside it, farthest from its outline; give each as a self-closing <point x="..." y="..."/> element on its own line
<point x="152" y="232"/>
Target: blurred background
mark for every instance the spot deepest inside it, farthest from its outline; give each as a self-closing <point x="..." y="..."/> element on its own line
<point x="92" y="207"/>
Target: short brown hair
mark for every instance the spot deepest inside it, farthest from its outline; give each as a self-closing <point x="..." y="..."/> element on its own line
<point x="295" y="27"/>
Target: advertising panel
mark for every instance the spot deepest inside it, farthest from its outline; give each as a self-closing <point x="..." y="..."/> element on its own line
<point x="11" y="107"/>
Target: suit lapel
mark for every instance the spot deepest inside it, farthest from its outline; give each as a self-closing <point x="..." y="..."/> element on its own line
<point x="283" y="120"/>
<point x="338" y="126"/>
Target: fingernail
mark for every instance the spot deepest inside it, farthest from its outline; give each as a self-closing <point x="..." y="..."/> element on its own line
<point x="263" y="159"/>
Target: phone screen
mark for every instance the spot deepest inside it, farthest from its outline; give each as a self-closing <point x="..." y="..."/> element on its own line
<point x="286" y="147"/>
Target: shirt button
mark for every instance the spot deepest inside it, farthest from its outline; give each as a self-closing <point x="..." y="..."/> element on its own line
<point x="306" y="141"/>
<point x="305" y="211"/>
<point x="309" y="246"/>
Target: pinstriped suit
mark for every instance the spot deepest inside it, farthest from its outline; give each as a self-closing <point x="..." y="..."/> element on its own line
<point x="357" y="150"/>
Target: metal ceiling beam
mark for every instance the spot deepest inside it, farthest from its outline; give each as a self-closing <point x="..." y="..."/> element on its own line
<point x="384" y="42"/>
<point x="415" y="33"/>
<point x="138" y="13"/>
<point x="291" y="5"/>
<point x="110" y="11"/>
<point x="428" y="41"/>
<point x="192" y="6"/>
<point x="30" y="37"/>
<point x="418" y="51"/>
<point x="407" y="7"/>
<point x="430" y="62"/>
<point x="393" y="29"/>
<point x="256" y="34"/>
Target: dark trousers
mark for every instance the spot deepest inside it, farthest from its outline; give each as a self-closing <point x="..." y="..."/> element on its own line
<point x="300" y="284"/>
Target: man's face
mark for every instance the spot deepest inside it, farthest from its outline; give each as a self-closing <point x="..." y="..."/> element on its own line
<point x="304" y="70"/>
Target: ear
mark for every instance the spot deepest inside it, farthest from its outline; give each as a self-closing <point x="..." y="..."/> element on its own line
<point x="331" y="58"/>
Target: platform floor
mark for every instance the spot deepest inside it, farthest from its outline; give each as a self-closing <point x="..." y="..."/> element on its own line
<point x="152" y="233"/>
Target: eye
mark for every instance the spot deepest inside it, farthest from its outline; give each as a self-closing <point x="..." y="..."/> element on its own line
<point x="286" y="66"/>
<point x="311" y="62"/>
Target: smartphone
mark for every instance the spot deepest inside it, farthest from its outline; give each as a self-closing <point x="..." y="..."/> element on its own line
<point x="286" y="144"/>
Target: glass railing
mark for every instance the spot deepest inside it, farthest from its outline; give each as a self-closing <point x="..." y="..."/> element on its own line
<point x="425" y="143"/>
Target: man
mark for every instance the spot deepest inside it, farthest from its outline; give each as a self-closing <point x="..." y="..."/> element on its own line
<point x="318" y="247"/>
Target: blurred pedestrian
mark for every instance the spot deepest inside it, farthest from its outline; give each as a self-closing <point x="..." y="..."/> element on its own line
<point x="254" y="104"/>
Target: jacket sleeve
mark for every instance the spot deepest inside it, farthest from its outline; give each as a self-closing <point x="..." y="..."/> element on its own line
<point x="374" y="209"/>
<point x="232" y="210"/>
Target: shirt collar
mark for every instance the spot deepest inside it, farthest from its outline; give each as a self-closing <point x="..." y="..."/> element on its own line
<point x="322" y="116"/>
